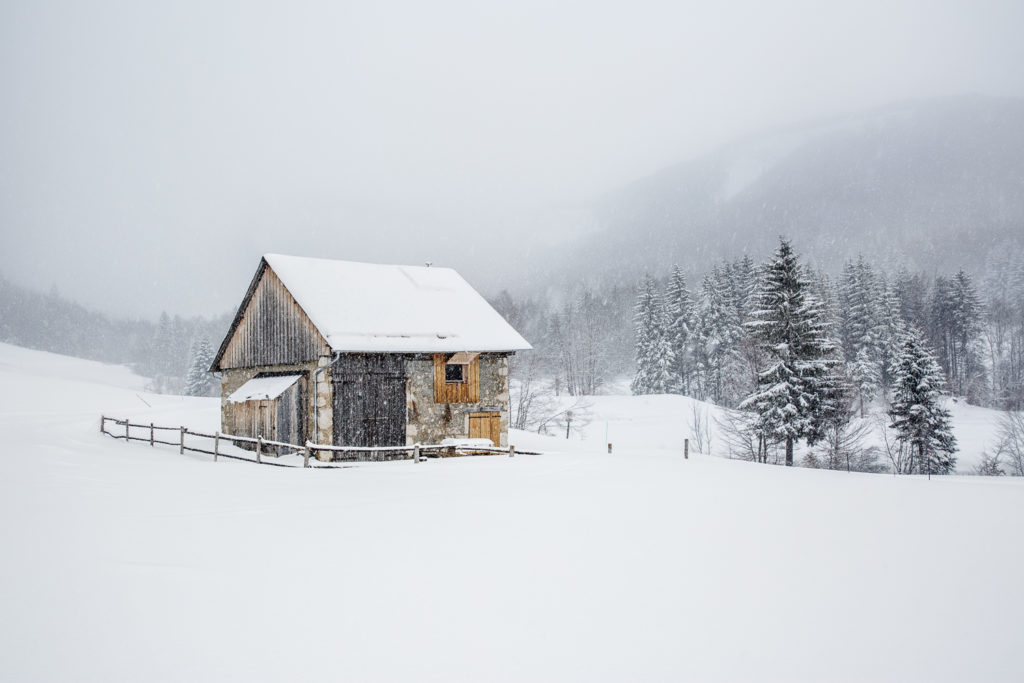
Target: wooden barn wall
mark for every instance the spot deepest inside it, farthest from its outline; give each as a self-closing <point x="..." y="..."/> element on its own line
<point x="291" y="414"/>
<point x="467" y="392"/>
<point x="273" y="330"/>
<point x="298" y="400"/>
<point x="369" y="399"/>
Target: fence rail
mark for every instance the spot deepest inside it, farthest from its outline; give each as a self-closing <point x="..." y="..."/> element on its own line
<point x="416" y="452"/>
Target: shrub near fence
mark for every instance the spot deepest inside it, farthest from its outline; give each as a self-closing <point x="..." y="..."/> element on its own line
<point x="308" y="450"/>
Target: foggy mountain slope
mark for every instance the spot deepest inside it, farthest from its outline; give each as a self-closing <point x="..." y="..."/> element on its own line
<point x="931" y="184"/>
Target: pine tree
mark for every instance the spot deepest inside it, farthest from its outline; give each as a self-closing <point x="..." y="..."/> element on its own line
<point x="891" y="329"/>
<point x="920" y="421"/>
<point x="679" y="313"/>
<point x="654" y="360"/>
<point x="864" y="378"/>
<point x="858" y="295"/>
<point x="199" y="379"/>
<point x="967" y="315"/>
<point x="795" y="390"/>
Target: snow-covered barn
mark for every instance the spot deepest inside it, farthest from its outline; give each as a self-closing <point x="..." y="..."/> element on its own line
<point x="358" y="354"/>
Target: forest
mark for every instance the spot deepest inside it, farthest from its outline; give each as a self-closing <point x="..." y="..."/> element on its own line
<point x="710" y="342"/>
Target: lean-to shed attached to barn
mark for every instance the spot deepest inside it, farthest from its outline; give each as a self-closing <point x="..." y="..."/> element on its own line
<point x="357" y="354"/>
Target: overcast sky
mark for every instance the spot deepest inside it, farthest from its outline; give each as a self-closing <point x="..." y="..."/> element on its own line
<point x="150" y="152"/>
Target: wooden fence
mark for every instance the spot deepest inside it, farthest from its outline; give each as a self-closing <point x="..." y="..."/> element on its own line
<point x="309" y="450"/>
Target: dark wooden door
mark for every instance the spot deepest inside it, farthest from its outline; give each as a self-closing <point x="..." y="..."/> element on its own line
<point x="369" y="400"/>
<point x="291" y="414"/>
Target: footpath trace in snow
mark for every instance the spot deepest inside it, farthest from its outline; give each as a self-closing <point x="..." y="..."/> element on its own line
<point x="125" y="562"/>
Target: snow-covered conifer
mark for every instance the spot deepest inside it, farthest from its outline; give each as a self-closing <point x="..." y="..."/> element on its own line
<point x="795" y="389"/>
<point x="679" y="313"/>
<point x="654" y="360"/>
<point x="864" y="378"/>
<point x="199" y="380"/>
<point x="917" y="415"/>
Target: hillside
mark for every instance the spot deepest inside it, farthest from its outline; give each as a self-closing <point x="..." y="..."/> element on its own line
<point x="126" y="562"/>
<point x="927" y="184"/>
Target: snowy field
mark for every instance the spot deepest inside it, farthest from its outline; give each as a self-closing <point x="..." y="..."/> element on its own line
<point x="125" y="562"/>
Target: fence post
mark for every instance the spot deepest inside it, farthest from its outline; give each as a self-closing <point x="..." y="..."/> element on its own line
<point x="150" y="434"/>
<point x="259" y="449"/>
<point x="511" y="451"/>
<point x="416" y="453"/>
<point x="103" y="424"/>
<point x="127" y="424"/>
<point x="305" y="456"/>
<point x="609" y="447"/>
<point x="686" y="449"/>
<point x="181" y="447"/>
<point x="216" y="445"/>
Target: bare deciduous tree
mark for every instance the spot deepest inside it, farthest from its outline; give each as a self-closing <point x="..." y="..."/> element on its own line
<point x="700" y="428"/>
<point x="1011" y="442"/>
<point x="743" y="441"/>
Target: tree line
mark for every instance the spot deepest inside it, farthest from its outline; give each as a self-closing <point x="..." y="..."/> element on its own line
<point x="171" y="351"/>
<point x="802" y="356"/>
<point x="977" y="337"/>
<point x="710" y="342"/>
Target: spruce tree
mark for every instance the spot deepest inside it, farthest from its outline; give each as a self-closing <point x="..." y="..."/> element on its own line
<point x="858" y="295"/>
<point x="199" y="380"/>
<point x="679" y="314"/>
<point x="890" y="331"/>
<point x="921" y="423"/>
<point x="654" y="360"/>
<point x="794" y="391"/>
<point x="864" y="378"/>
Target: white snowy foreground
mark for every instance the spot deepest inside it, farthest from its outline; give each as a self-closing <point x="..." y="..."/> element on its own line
<point x="125" y="562"/>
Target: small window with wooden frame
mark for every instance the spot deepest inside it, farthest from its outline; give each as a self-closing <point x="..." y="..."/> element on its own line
<point x="456" y="377"/>
<point x="455" y="373"/>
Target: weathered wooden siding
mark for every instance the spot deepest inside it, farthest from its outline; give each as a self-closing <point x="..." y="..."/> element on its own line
<point x="291" y="414"/>
<point x="467" y="392"/>
<point x="273" y="329"/>
<point x="279" y="419"/>
<point x="369" y="399"/>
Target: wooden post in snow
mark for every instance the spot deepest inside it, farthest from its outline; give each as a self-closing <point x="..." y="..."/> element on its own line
<point x="686" y="449"/>
<point x="216" y="445"/>
<point x="305" y="455"/>
<point x="259" y="449"/>
<point x="127" y="424"/>
<point x="416" y="453"/>
<point x="103" y="424"/>
<point x="511" y="451"/>
<point x="609" y="448"/>
<point x="150" y="434"/>
<point x="181" y="447"/>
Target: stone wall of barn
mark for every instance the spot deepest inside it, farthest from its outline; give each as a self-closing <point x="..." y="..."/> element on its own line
<point x="428" y="422"/>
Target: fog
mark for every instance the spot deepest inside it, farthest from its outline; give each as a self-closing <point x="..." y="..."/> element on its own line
<point x="149" y="154"/>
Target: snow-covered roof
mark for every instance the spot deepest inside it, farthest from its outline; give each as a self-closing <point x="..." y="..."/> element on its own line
<point x="364" y="307"/>
<point x="260" y="388"/>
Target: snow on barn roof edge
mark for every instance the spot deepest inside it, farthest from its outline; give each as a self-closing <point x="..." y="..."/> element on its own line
<point x="376" y="308"/>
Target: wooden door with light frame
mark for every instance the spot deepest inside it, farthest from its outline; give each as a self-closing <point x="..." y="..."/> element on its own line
<point x="485" y="425"/>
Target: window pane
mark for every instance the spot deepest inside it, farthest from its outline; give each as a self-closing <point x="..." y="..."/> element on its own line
<point x="454" y="374"/>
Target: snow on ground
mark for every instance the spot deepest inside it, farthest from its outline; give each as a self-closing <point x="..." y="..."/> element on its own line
<point x="125" y="562"/>
<point x="664" y="421"/>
